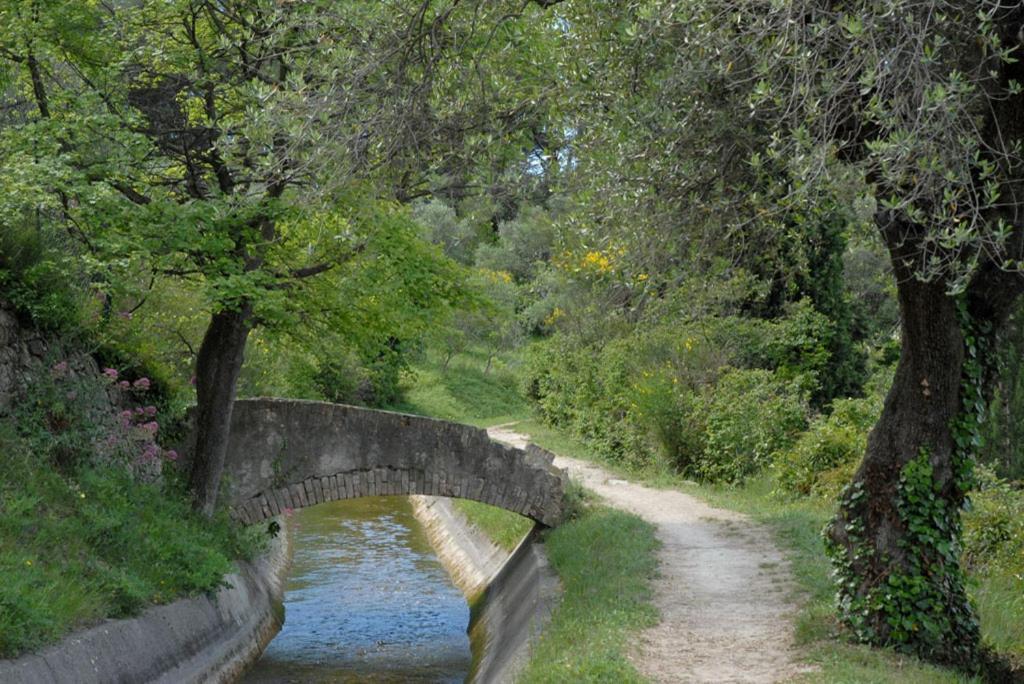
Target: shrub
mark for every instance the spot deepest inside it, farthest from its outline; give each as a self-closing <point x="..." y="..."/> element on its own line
<point x="81" y="537"/>
<point x="828" y="449"/>
<point x="750" y="414"/>
<point x="993" y="535"/>
<point x="42" y="277"/>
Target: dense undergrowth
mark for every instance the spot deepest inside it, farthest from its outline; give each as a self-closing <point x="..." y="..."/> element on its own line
<point x="88" y="529"/>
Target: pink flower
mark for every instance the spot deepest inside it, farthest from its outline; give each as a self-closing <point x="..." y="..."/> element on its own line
<point x="139" y="411"/>
<point x="150" y="453"/>
<point x="151" y="427"/>
<point x="60" y="369"/>
<point x="150" y="411"/>
<point x="124" y="385"/>
<point x="171" y="455"/>
<point x="141" y="384"/>
<point x="110" y="373"/>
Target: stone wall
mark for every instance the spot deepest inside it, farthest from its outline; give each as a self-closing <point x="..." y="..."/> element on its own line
<point x="21" y="349"/>
<point x="468" y="554"/>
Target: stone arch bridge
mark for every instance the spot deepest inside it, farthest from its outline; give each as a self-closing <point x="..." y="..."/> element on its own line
<point x="286" y="453"/>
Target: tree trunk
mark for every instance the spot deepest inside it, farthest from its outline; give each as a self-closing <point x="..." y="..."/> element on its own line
<point x="217" y="367"/>
<point x="894" y="541"/>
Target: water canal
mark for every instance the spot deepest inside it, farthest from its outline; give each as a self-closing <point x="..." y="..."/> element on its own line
<point x="366" y="601"/>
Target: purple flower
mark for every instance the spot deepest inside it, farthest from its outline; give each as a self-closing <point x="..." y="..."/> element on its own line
<point x="139" y="411"/>
<point x="171" y="455"/>
<point x="110" y="373"/>
<point x="150" y="411"/>
<point x="150" y="453"/>
<point x="124" y="385"/>
<point x="151" y="427"/>
<point x="141" y="384"/>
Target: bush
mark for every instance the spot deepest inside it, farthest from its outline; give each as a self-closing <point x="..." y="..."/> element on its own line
<point x="81" y="537"/>
<point x="660" y="391"/>
<point x="993" y="536"/>
<point x="42" y="277"/>
<point x="750" y="415"/>
<point x="827" y="450"/>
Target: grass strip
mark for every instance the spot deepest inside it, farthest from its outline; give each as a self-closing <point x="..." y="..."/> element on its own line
<point x="606" y="561"/>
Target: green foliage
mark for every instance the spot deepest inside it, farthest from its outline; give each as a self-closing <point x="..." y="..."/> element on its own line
<point x="831" y="442"/>
<point x="41" y="275"/>
<point x="442" y="226"/>
<point x="1003" y="432"/>
<point x="669" y="390"/>
<point x="993" y="535"/>
<point x="750" y="415"/>
<point x="523" y="244"/>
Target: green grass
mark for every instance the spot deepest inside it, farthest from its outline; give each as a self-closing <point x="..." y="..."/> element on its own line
<point x="465" y="391"/>
<point x="505" y="528"/>
<point x="999" y="595"/>
<point x="79" y="545"/>
<point x="604" y="603"/>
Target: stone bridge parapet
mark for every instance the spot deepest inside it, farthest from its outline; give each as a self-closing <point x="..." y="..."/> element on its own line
<point x="289" y="454"/>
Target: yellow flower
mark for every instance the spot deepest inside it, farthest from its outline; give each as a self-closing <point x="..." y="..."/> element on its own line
<point x="81" y="495"/>
<point x="597" y="261"/>
<point x="28" y="562"/>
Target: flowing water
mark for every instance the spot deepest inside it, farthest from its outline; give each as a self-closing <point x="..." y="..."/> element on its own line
<point x="366" y="601"/>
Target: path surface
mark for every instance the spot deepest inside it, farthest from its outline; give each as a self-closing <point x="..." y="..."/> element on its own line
<point x="723" y="590"/>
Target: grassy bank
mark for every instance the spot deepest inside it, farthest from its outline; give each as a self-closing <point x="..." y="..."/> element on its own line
<point x="465" y="391"/>
<point x="604" y="603"/>
<point x="82" y="538"/>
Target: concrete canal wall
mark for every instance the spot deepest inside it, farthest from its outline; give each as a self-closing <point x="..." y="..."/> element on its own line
<point x="512" y="594"/>
<point x="203" y="639"/>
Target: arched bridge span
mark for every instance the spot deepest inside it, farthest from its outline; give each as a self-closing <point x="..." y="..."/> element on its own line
<point x="286" y="453"/>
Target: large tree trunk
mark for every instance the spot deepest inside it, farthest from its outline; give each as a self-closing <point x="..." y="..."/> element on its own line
<point x="217" y="367"/>
<point x="894" y="539"/>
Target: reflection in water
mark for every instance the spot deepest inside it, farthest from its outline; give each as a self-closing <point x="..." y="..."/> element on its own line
<point x="366" y="601"/>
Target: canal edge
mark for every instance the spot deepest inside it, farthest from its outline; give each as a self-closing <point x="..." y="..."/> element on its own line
<point x="511" y="594"/>
<point x="210" y="638"/>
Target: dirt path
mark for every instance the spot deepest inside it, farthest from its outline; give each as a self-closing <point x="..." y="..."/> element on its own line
<point x="723" y="588"/>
